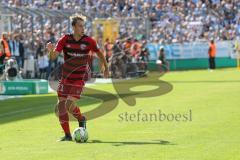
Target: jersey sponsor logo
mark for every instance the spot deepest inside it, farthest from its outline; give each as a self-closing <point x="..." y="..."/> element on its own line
<point x="83" y="46"/>
<point x="68" y="46"/>
<point x="76" y="54"/>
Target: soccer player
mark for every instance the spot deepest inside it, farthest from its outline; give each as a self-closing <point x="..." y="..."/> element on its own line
<point x="75" y="70"/>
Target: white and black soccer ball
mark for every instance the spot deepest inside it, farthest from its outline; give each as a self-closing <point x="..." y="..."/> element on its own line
<point x="80" y="135"/>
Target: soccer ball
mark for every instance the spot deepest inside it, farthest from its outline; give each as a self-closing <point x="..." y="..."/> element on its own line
<point x="80" y="135"/>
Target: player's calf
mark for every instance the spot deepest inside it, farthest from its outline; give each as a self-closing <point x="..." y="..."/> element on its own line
<point x="62" y="113"/>
<point x="75" y="111"/>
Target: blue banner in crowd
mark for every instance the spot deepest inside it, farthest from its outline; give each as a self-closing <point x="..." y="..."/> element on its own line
<point x="191" y="50"/>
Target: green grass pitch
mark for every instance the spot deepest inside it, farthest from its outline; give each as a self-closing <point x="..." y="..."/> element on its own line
<point x="29" y="128"/>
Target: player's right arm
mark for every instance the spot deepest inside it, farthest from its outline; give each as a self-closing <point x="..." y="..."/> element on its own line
<point x="54" y="51"/>
<point x="52" y="54"/>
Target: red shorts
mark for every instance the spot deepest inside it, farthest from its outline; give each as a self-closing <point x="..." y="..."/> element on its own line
<point x="69" y="88"/>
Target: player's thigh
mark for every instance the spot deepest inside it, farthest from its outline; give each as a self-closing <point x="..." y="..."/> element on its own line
<point x="69" y="99"/>
<point x="62" y="99"/>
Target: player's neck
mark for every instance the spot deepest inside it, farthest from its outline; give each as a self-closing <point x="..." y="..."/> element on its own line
<point x="77" y="37"/>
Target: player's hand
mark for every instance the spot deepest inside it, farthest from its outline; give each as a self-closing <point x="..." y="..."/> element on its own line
<point x="50" y="47"/>
<point x="106" y="73"/>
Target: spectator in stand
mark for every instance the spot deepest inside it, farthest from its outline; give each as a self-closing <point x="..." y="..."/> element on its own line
<point x="4" y="50"/>
<point x="169" y="21"/>
<point x="201" y="20"/>
<point x="20" y="40"/>
<point x="43" y="64"/>
<point x="108" y="49"/>
<point x="17" y="49"/>
<point x="135" y="50"/>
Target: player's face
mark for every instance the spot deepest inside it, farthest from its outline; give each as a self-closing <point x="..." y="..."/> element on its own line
<point x="79" y="27"/>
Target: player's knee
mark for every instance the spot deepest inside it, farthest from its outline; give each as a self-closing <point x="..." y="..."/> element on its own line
<point x="61" y="104"/>
<point x="70" y="104"/>
<point x="61" y="107"/>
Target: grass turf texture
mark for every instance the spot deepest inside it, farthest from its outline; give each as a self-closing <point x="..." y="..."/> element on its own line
<point x="29" y="127"/>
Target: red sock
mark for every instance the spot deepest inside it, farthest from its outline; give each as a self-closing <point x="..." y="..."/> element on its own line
<point x="63" y="117"/>
<point x="74" y="110"/>
<point x="77" y="113"/>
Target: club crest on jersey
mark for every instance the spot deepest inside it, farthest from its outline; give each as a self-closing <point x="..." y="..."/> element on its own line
<point x="83" y="46"/>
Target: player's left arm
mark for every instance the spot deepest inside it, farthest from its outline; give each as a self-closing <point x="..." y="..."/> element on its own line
<point x="104" y="62"/>
<point x="96" y="49"/>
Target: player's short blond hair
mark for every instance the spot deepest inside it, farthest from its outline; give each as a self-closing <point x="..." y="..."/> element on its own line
<point x="76" y="17"/>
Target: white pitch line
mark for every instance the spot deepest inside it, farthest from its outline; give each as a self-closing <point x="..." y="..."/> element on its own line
<point x="4" y="97"/>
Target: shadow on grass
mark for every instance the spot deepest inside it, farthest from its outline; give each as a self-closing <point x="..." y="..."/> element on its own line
<point x="122" y="143"/>
<point x="29" y="107"/>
